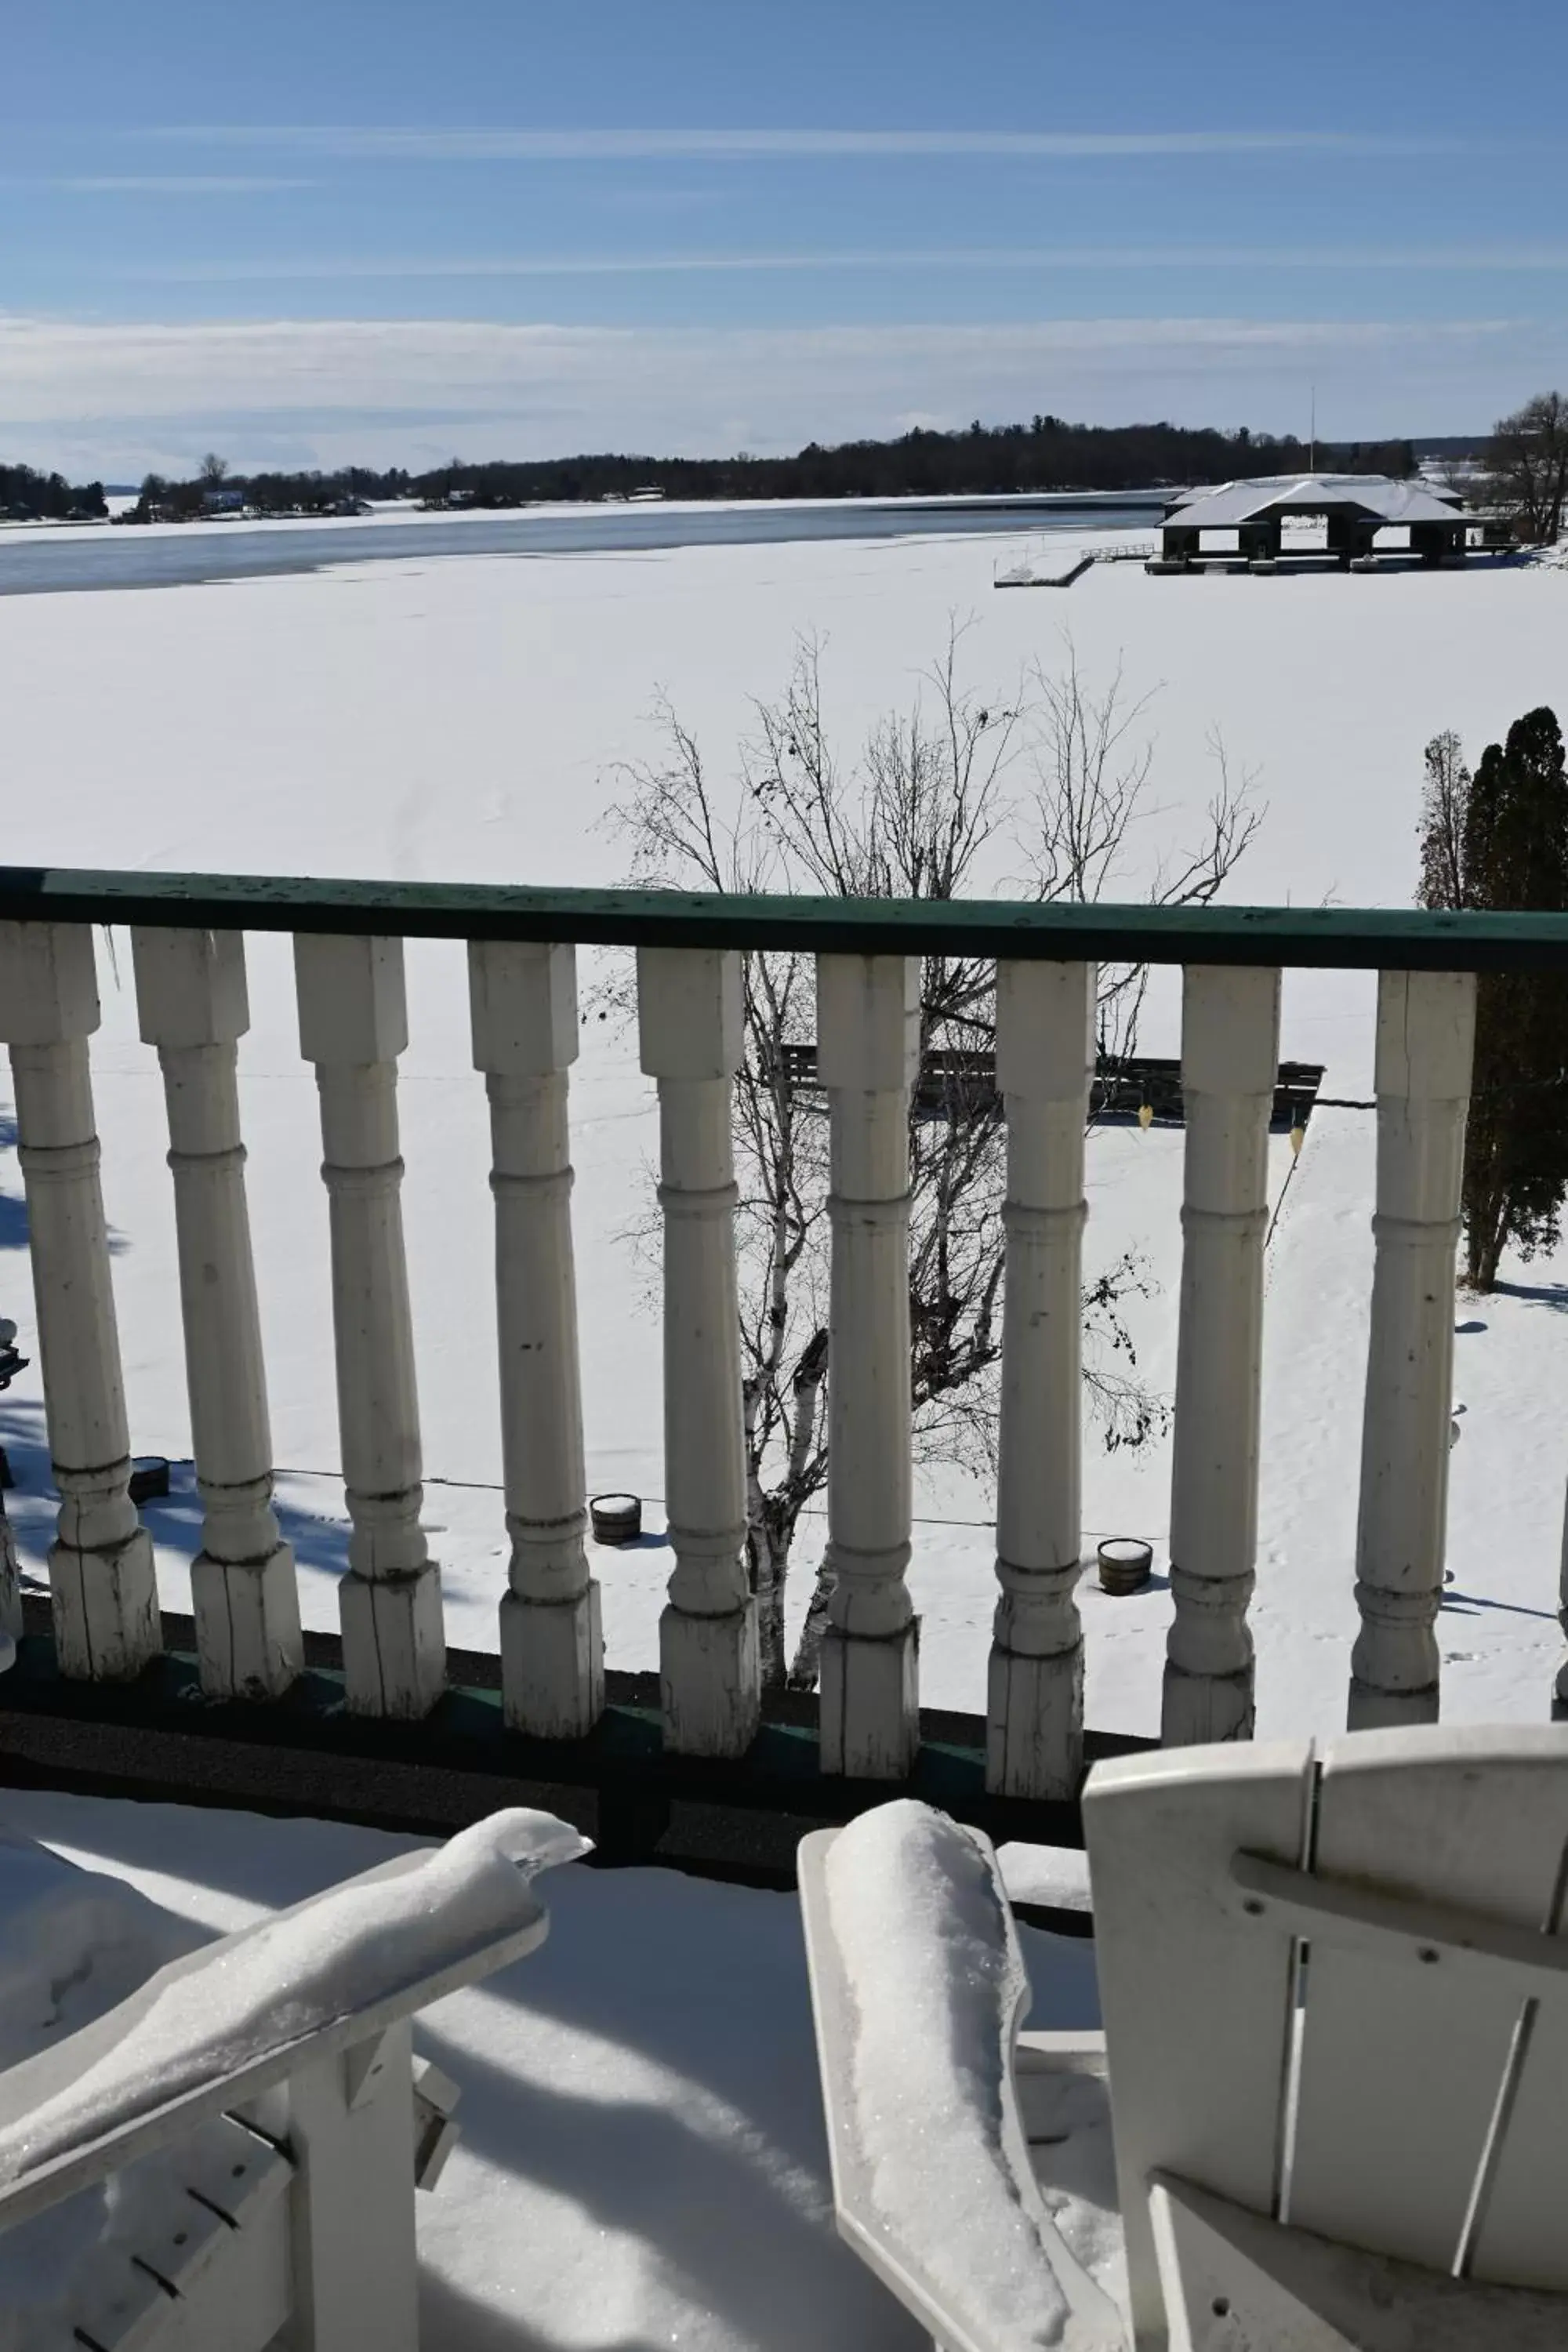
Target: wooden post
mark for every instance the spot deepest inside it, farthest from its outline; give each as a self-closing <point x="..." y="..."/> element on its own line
<point x="349" y="2124"/>
<point x="191" y="996"/>
<point x="1230" y="1057"/>
<point x="1045" y="1066"/>
<point x="1426" y="1041"/>
<point x="867" y="1050"/>
<point x="102" y="1582"/>
<point x="353" y="1026"/>
<point x="523" y="1000"/>
<point x="689" y="1027"/>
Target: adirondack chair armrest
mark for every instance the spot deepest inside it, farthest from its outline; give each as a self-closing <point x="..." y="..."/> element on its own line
<point x="891" y="2207"/>
<point x="80" y="2110"/>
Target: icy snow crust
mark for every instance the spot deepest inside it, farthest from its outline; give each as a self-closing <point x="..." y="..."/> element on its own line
<point x="933" y="2047"/>
<point x="281" y="1981"/>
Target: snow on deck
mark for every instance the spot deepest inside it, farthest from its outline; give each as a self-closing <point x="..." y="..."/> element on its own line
<point x="643" y="2159"/>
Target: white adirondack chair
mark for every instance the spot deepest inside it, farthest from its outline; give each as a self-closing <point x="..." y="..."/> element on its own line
<point x="250" y="2125"/>
<point x="1335" y="1984"/>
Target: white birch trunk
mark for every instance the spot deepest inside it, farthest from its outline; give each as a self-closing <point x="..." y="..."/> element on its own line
<point x="353" y="1026"/>
<point x="1425" y="1042"/>
<point x="689" y="1028"/>
<point x="868" y="1030"/>
<point x="1230" y="1057"/>
<point x="191" y="994"/>
<point x="1045" y="1066"/>
<point x="524" y="1005"/>
<point x="103" y="1587"/>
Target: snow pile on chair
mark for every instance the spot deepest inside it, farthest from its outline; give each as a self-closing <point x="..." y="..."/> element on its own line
<point x="931" y="2055"/>
<point x="288" y="1976"/>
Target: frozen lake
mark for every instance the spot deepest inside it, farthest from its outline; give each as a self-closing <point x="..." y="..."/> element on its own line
<point x="459" y="721"/>
<point x="191" y="554"/>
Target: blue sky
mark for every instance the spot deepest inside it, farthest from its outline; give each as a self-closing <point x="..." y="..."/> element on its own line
<point x="305" y="233"/>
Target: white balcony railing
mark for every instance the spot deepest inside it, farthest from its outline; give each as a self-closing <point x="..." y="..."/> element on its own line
<point x="190" y="981"/>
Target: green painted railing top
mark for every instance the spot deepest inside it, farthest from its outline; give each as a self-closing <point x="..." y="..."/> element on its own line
<point x="1364" y="938"/>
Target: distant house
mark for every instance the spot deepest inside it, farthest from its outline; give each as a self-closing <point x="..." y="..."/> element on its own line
<point x="1355" y="508"/>
<point x="221" y="502"/>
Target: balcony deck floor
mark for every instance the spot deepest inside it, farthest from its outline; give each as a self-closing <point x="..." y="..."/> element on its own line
<point x="642" y="2160"/>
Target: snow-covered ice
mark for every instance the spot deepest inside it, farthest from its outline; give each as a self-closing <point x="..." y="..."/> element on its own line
<point x="462" y="717"/>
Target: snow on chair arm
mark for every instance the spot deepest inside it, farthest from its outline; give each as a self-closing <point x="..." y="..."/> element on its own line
<point x="918" y="1987"/>
<point x="216" y="2030"/>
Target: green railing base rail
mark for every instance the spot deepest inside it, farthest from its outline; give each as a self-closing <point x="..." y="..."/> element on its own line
<point x="158" y="1739"/>
<point x="1361" y="938"/>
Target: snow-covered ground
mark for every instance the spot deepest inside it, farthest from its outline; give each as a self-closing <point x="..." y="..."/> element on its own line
<point x="461" y="718"/>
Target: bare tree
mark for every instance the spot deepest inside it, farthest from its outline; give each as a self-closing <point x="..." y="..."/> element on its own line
<point x="1054" y="777"/>
<point x="214" y="470"/>
<point x="1445" y="814"/>
<point x="1527" y="467"/>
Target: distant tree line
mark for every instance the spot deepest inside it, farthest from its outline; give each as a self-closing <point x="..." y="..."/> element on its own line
<point x="1047" y="454"/>
<point x="30" y="496"/>
<point x="1526" y="467"/>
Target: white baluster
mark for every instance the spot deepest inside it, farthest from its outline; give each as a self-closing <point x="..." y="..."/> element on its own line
<point x="1230" y="1056"/>
<point x="353" y="1026"/>
<point x="867" y="1054"/>
<point x="688" y="1019"/>
<point x="524" y="1004"/>
<point x="102" y="1582"/>
<point x="191" y="994"/>
<point x="1426" y="1040"/>
<point x="1045" y="1065"/>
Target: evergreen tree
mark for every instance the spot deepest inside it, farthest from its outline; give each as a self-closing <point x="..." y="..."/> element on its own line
<point x="1514" y="853"/>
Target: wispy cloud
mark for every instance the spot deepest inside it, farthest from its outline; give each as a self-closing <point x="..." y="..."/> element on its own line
<point x="142" y="184"/>
<point x="428" y="144"/>
<point x="116" y="399"/>
<point x="1001" y="258"/>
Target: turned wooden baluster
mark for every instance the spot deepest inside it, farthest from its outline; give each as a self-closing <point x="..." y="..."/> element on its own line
<point x="867" y="1049"/>
<point x="191" y="995"/>
<point x="1044" y="1067"/>
<point x="689" y="1017"/>
<point x="524" y="1005"/>
<point x="1426" y="1041"/>
<point x="353" y="1026"/>
<point x="102" y="1582"/>
<point x="1230" y="1057"/>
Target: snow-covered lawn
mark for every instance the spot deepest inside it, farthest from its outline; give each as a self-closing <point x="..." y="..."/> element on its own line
<point x="461" y="718"/>
<point x="642" y="2161"/>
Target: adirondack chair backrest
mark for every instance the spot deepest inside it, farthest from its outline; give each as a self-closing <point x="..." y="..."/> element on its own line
<point x="1335" y="1984"/>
